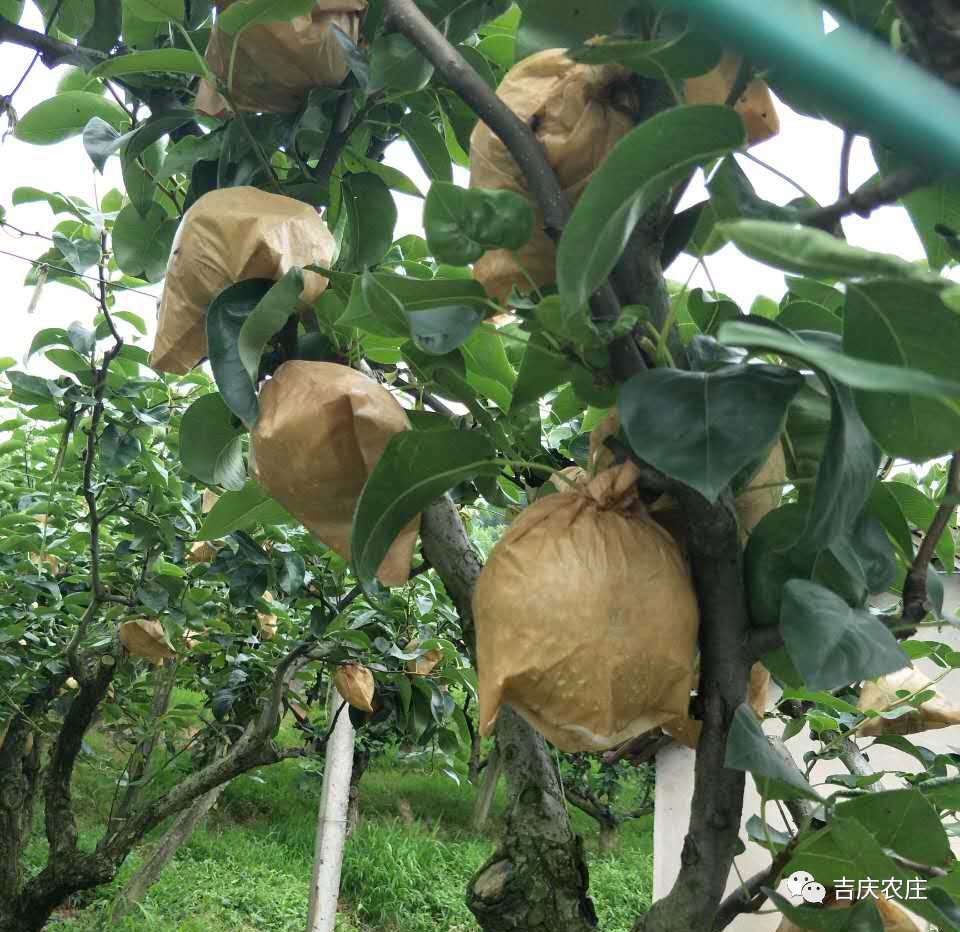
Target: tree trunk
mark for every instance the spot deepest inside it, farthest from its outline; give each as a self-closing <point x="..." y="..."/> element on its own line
<point x="332" y="821"/>
<point x="608" y="837"/>
<point x="537" y="879"/>
<point x="171" y="842"/>
<point x="361" y="760"/>
<point x="488" y="789"/>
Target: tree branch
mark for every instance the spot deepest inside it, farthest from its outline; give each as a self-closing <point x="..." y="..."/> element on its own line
<point x="52" y="52"/>
<point x="868" y="198"/>
<point x="916" y="602"/>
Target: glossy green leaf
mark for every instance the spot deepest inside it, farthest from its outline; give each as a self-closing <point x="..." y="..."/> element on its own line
<point x="415" y="469"/>
<point x="242" y="510"/>
<point x="832" y="644"/>
<point x="246" y="13"/>
<point x="541" y="369"/>
<point x="685" y="54"/>
<point x="81" y="338"/>
<point x="857" y="373"/>
<point x="373" y="307"/>
<point x="395" y="65"/>
<point x="547" y="24"/>
<point x="902" y="324"/>
<point x="807" y="315"/>
<point x="369" y="213"/>
<point x="919" y="510"/>
<point x="644" y="165"/>
<point x="139" y="174"/>
<point x="463" y="223"/>
<point x="903" y="820"/>
<point x="427" y="145"/>
<point x="211" y="445"/>
<point x="100" y="140"/>
<point x="269" y="316"/>
<point x="748" y="749"/>
<point x="118" y="449"/>
<point x="142" y="242"/>
<point x="65" y="115"/>
<point x="703" y="428"/>
<point x="439" y="330"/>
<point x="708" y="313"/>
<point x="174" y="61"/>
<point x="80" y="254"/>
<point x="225" y="318"/>
<point x="808" y="251"/>
<point x="158" y="11"/>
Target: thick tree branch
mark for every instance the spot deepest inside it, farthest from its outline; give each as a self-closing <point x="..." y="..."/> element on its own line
<point x="916" y="602"/>
<point x="52" y="52"/>
<point x="933" y="36"/>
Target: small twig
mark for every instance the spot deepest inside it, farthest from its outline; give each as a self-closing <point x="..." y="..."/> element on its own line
<point x="845" y="151"/>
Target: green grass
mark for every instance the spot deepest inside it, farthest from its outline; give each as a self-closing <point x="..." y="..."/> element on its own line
<point x="247" y="869"/>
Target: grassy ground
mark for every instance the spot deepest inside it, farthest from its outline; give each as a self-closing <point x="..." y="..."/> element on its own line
<point x="248" y="868"/>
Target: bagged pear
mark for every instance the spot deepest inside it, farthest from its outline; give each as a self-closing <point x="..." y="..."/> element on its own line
<point x="355" y="683"/>
<point x="205" y="551"/>
<point x="892" y="917"/>
<point x="322" y="427"/>
<point x="881" y="693"/>
<point x="146" y="638"/>
<point x="580" y="112"/>
<point x="267" y="621"/>
<point x="277" y="64"/>
<point x="227" y="236"/>
<point x="586" y="618"/>
<point x="755" y="106"/>
<point x="423" y="665"/>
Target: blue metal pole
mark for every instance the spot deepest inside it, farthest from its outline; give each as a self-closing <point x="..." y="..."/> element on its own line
<point x="889" y="96"/>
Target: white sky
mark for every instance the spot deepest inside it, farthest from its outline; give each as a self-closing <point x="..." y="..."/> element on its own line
<point x="806" y="150"/>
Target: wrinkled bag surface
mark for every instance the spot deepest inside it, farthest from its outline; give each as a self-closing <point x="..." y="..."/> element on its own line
<point x="278" y="64"/>
<point x="881" y="693"/>
<point x="322" y="427"/>
<point x="225" y="237"/>
<point x="586" y="618"/>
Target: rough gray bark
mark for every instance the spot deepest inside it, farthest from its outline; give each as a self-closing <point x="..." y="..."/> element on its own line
<point x="537" y="879"/>
<point x="173" y="839"/>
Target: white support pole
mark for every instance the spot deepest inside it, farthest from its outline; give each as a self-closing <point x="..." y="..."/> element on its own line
<point x="332" y="821"/>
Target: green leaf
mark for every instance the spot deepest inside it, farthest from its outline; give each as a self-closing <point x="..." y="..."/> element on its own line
<point x="49" y="336"/>
<point x="547" y="24"/>
<point x="488" y="368"/>
<point x="211" y="443"/>
<point x="808" y="251"/>
<point x="774" y="556"/>
<point x="173" y="61"/>
<point x="268" y="318"/>
<point x="395" y="65"/>
<point x="645" y="164"/>
<point x="427" y="145"/>
<point x="12" y="10"/>
<point x="139" y="174"/>
<point x="703" y="428"/>
<point x="240" y="511"/>
<point x="81" y="338"/>
<point x="142" y="242"/>
<point x="71" y="17"/>
<point x="749" y="749"/>
<point x="919" y="511"/>
<point x="101" y="141"/>
<point x="440" y="330"/>
<point x="687" y="53"/>
<point x="886" y="508"/>
<point x="414" y="470"/>
<point x="80" y="254"/>
<point x="807" y="315"/>
<point x="862" y="917"/>
<point x="246" y="13"/>
<point x="905" y="325"/>
<point x="225" y="318"/>
<point x="932" y="208"/>
<point x="832" y="644"/>
<point x="374" y="308"/>
<point x="105" y="30"/>
<point x="370" y="214"/>
<point x="857" y="373"/>
<point x="903" y="820"/>
<point x="541" y="369"/>
<point x="709" y="313"/>
<point x="157" y="11"/>
<point x="463" y="223"/>
<point x="65" y="115"/>
<point x="117" y="450"/>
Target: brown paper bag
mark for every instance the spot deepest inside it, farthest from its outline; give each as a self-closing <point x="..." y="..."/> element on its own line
<point x="355" y="683"/>
<point x="755" y="106"/>
<point x="579" y="113"/>
<point x="278" y="64"/>
<point x="586" y="618"/>
<point x="267" y="621"/>
<point x="424" y="665"/>
<point x="879" y="694"/>
<point x="204" y="551"/>
<point x="894" y="918"/>
<point x="146" y="638"/>
<point x="225" y="237"/>
<point x="322" y="427"/>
